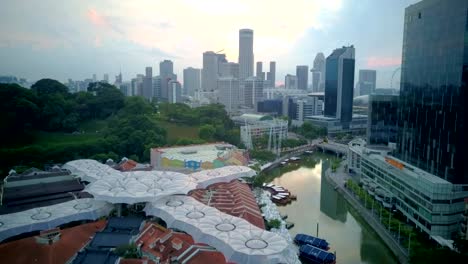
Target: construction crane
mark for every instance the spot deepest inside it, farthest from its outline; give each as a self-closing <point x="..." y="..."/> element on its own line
<point x="219" y="51"/>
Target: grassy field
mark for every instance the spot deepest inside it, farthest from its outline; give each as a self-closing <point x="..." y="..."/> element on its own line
<point x="92" y="126"/>
<point x="57" y="138"/>
<point x="177" y="131"/>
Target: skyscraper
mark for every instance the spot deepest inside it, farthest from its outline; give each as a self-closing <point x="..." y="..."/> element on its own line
<point x="210" y="71"/>
<point x="157" y="87"/>
<point x="253" y="91"/>
<point x="382" y="119"/>
<point x="191" y="81"/>
<point x="148" y="84"/>
<point x="106" y="78"/>
<point x="302" y="73"/>
<point x="229" y="69"/>
<point x="318" y="73"/>
<point x="166" y="73"/>
<point x="432" y="113"/>
<point x="228" y="90"/>
<point x="290" y="81"/>
<point x="366" y="83"/>
<point x="271" y="75"/>
<point x="259" y="71"/>
<point x="339" y="84"/>
<point x="174" y="92"/>
<point x="246" y="56"/>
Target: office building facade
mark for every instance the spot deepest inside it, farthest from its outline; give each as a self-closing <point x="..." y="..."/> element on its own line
<point x="228" y="93"/>
<point x="271" y="75"/>
<point x="290" y="81"/>
<point x="366" y="82"/>
<point x="382" y="119"/>
<point x="318" y="73"/>
<point x="259" y="71"/>
<point x="253" y="91"/>
<point x="432" y="114"/>
<point x="229" y="69"/>
<point x="174" y="92"/>
<point x="302" y="73"/>
<point x="246" y="55"/>
<point x="210" y="71"/>
<point x="339" y="85"/>
<point x="166" y="72"/>
<point x="192" y="81"/>
<point x="148" y="84"/>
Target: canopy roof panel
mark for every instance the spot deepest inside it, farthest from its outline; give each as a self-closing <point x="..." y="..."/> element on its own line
<point x="113" y="186"/>
<point x="51" y="216"/>
<point x="140" y="186"/>
<point x="236" y="238"/>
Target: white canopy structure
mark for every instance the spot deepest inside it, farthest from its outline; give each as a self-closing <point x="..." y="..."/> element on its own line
<point x="223" y="174"/>
<point x="113" y="186"/>
<point x="51" y="216"/>
<point x="140" y="186"/>
<point x="237" y="239"/>
<point x="91" y="170"/>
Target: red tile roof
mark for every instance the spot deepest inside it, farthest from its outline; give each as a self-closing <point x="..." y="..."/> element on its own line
<point x="234" y="198"/>
<point x="27" y="250"/>
<point x="165" y="244"/>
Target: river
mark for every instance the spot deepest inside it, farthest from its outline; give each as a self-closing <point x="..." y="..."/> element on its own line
<point x="317" y="202"/>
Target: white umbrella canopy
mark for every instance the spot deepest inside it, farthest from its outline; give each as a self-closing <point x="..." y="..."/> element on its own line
<point x="140" y="186"/>
<point x="48" y="217"/>
<point x="223" y="174"/>
<point x="91" y="170"/>
<point x="236" y="238"/>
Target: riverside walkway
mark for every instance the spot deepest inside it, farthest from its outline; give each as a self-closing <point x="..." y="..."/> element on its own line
<point x="338" y="179"/>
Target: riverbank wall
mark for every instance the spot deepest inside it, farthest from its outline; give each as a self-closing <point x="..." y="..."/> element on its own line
<point x="386" y="237"/>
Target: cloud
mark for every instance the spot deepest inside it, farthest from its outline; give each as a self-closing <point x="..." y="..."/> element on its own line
<point x="96" y="18"/>
<point x="379" y="62"/>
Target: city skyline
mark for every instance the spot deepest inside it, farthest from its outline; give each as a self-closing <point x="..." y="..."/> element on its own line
<point x="104" y="37"/>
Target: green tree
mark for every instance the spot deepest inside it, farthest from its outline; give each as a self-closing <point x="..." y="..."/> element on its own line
<point x="19" y="113"/>
<point x="45" y="87"/>
<point x="206" y="132"/>
<point x="262" y="155"/>
<point x="128" y="251"/>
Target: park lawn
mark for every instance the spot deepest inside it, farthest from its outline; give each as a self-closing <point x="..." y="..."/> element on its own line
<point x="176" y="131"/>
<point x="91" y="126"/>
<point x="48" y="139"/>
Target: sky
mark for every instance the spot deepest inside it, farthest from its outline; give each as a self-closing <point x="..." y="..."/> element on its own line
<point x="78" y="38"/>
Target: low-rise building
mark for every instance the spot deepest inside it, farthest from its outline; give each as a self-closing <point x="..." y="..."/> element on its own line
<point x="334" y="125"/>
<point x="234" y="198"/>
<point x="433" y="204"/>
<point x="162" y="245"/>
<point x="256" y="126"/>
<point x="195" y="157"/>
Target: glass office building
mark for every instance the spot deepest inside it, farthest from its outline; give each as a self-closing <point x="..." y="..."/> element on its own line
<point x="339" y="85"/>
<point x="382" y="119"/>
<point x="432" y="116"/>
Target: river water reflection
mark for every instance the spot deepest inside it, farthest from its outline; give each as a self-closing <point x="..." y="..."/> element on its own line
<point x="317" y="202"/>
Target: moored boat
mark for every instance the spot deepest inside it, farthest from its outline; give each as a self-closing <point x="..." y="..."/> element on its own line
<point x="303" y="239"/>
<point x="315" y="255"/>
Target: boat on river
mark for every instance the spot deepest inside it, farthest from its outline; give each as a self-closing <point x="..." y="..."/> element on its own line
<point x="310" y="254"/>
<point x="303" y="239"/>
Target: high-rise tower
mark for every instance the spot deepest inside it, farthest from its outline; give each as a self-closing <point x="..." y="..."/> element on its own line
<point x="339" y="84"/>
<point x="432" y="113"/>
<point x="246" y="55"/>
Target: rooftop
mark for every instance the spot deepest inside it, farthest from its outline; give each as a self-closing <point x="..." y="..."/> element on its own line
<point x="407" y="170"/>
<point x="234" y="198"/>
<point x="166" y="244"/>
<point x="71" y="241"/>
<point x="202" y="152"/>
